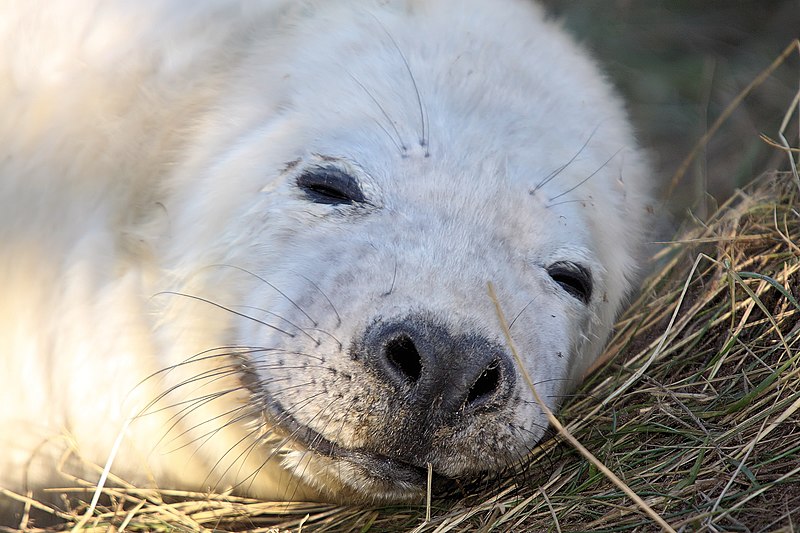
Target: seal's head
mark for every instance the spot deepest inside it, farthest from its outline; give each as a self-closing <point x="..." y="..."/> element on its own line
<point x="360" y="207"/>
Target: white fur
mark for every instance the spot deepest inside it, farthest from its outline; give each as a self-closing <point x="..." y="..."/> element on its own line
<point x="145" y="144"/>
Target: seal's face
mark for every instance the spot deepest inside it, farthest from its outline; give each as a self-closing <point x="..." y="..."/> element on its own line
<point x="360" y="210"/>
<point x="393" y="355"/>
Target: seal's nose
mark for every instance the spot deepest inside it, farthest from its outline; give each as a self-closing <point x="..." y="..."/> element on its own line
<point x="434" y="369"/>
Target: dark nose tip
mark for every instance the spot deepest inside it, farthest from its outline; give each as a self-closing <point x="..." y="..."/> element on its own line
<point x="430" y="366"/>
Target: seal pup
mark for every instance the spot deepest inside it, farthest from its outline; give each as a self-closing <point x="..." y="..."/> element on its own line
<point x="246" y="244"/>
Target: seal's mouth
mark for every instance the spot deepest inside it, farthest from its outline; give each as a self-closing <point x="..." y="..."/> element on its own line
<point x="375" y="466"/>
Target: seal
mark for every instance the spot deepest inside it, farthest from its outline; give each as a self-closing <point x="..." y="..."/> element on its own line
<point x="246" y="244"/>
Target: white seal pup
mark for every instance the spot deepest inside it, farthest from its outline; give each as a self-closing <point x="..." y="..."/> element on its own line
<point x="246" y="244"/>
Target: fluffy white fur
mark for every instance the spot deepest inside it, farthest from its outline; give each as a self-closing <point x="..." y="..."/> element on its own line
<point x="148" y="161"/>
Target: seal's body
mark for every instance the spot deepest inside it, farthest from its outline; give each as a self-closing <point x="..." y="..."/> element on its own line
<point x="251" y="240"/>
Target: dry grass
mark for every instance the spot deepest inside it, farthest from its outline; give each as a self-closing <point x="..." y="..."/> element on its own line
<point x="695" y="407"/>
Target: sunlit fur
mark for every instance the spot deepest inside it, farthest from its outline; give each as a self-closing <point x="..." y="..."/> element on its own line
<point x="161" y="268"/>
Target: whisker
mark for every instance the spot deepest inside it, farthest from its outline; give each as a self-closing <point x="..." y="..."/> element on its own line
<point x="333" y="307"/>
<point x="205" y="375"/>
<point x="199" y="356"/>
<point x="216" y="465"/>
<point x="511" y="324"/>
<point x="208" y="377"/>
<point x="186" y="411"/>
<point x="147" y="410"/>
<point x="292" y="352"/>
<point x="576" y="201"/>
<point x="401" y="146"/>
<point x="220" y="306"/>
<point x="279" y="317"/>
<point x="319" y="437"/>
<point x="423" y="141"/>
<point x="587" y="178"/>
<point x="273" y="287"/>
<point x="560" y="169"/>
<point x="329" y="334"/>
<point x="209" y="433"/>
<point x="394" y="278"/>
<point x="277" y="447"/>
<point x="218" y="372"/>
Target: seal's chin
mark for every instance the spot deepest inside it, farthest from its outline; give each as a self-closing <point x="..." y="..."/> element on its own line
<point x="349" y="474"/>
<point x="357" y="478"/>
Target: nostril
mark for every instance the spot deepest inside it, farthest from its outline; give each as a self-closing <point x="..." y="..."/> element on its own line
<point x="402" y="354"/>
<point x="486" y="384"/>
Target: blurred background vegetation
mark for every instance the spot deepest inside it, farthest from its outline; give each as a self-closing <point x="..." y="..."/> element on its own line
<point x="679" y="63"/>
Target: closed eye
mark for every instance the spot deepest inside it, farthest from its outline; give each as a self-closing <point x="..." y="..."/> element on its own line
<point x="325" y="185"/>
<point x="575" y="279"/>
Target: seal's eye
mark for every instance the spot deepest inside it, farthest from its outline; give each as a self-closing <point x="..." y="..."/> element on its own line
<point x="330" y="186"/>
<point x="573" y="278"/>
